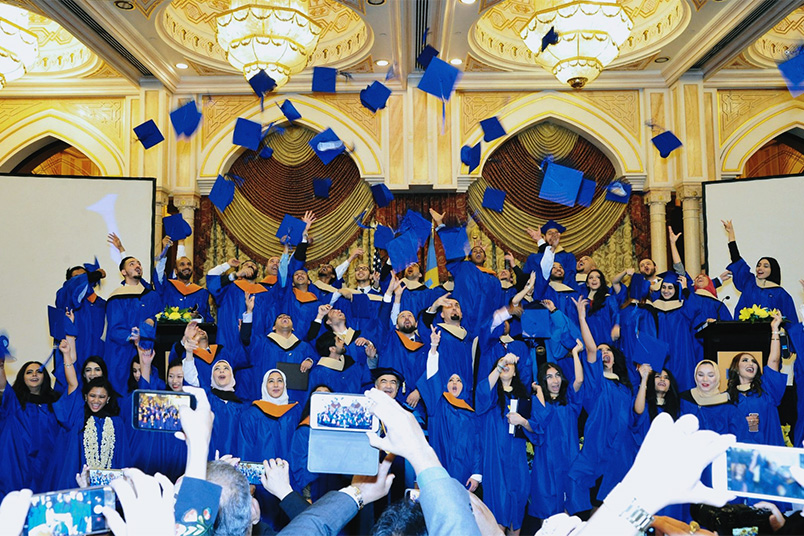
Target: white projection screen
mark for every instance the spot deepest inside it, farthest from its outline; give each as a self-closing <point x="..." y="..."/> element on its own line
<point x="768" y="217"/>
<point x="52" y="223"/>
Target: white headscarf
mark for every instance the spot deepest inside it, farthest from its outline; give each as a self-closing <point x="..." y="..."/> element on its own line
<point x="283" y="398"/>
<point x="229" y="387"/>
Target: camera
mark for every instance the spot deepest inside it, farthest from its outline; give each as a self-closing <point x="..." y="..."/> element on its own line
<point x="732" y="516"/>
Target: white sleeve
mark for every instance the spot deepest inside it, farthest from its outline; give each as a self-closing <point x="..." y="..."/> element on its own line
<point x="334" y="298"/>
<point x="219" y="269"/>
<point x="341" y="269"/>
<point x="181" y="251"/>
<point x="190" y="372"/>
<point x="160" y="269"/>
<point x="547" y="262"/>
<point x="432" y="363"/>
<point x="395" y="312"/>
<point x="500" y="316"/>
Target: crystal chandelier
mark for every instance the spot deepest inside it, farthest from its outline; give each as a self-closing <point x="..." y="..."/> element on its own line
<point x="19" y="47"/>
<point x="275" y="35"/>
<point x="590" y="34"/>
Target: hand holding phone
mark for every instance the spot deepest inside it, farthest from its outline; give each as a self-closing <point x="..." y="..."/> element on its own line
<point x="159" y="410"/>
<point x="760" y="471"/>
<point x="74" y="511"/>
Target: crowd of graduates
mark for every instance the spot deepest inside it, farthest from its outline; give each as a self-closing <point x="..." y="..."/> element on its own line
<point x="550" y="355"/>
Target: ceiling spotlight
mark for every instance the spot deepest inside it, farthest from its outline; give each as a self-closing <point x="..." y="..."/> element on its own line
<point x="124" y="5"/>
<point x="468" y="2"/>
<point x="661" y="59"/>
<point x="456" y="61"/>
<point x="381" y="63"/>
<point x="181" y="66"/>
<point x="376" y="2"/>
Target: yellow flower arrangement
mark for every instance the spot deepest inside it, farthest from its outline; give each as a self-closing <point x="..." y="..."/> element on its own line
<point x="756" y="313"/>
<point x="176" y="314"/>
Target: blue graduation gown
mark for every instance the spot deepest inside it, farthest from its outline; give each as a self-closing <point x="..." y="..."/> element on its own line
<point x="675" y="328"/>
<point x="717" y="418"/>
<point x="635" y="319"/>
<point x="262" y="436"/>
<point x="796" y="334"/>
<point x="766" y="405"/>
<point x="224" y="429"/>
<point x="354" y="378"/>
<point x="264" y="353"/>
<point x="478" y="291"/>
<point x="504" y="463"/>
<point x="409" y="359"/>
<point x="705" y="307"/>
<point x="363" y="318"/>
<point x="230" y="298"/>
<point x="564" y="258"/>
<point x="751" y="293"/>
<point x="603" y="320"/>
<point x="175" y="293"/>
<point x="90" y="320"/>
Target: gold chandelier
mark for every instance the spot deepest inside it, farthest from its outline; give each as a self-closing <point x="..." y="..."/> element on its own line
<point x="590" y="34"/>
<point x="19" y="47"/>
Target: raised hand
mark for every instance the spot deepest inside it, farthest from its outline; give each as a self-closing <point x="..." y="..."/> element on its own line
<point x="250" y="299"/>
<point x="234" y="263"/>
<point x="578" y="346"/>
<point x="777" y="321"/>
<point x="644" y="370"/>
<point x="435" y="337"/>
<point x="357" y="252"/>
<point x="114" y="240"/>
<point x="441" y="300"/>
<point x="729" y="227"/>
<point x="509" y="257"/>
<point x="580" y="305"/>
<point x="671" y="235"/>
<point x="548" y="304"/>
<point x="438" y="219"/>
<point x="323" y="310"/>
<point x="534" y="234"/>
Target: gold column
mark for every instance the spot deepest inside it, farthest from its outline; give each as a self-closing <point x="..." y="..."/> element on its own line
<point x="656" y="200"/>
<point x="187" y="205"/>
<point x="162" y="200"/>
<point x="690" y="195"/>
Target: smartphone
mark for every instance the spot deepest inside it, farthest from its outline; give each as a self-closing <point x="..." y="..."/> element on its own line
<point x="159" y="410"/>
<point x="759" y="472"/>
<point x="74" y="511"/>
<point x="252" y="471"/>
<point x="343" y="412"/>
<point x="102" y="477"/>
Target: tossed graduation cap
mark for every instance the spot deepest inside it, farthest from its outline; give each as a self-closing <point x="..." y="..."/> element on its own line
<point x="492" y="129"/>
<point x="185" y="119"/>
<point x="321" y="187"/>
<point x="550" y="38"/>
<point x="414" y="221"/>
<point x="327" y="145"/>
<point x="55" y="321"/>
<point x="147" y="336"/>
<point x="470" y="156"/>
<point x="291" y="230"/>
<point x="382" y="195"/>
<point x="290" y="112"/>
<point x="361" y="306"/>
<point x="324" y="79"/>
<point x="148" y="134"/>
<point x="247" y="134"/>
<point x="455" y="242"/>
<point x="175" y="227"/>
<point x="793" y="72"/>
<point x="5" y="353"/>
<point x="586" y="193"/>
<point x="536" y="323"/>
<point x="266" y="152"/>
<point x="375" y="96"/>
<point x="75" y="290"/>
<point x="619" y="192"/>
<point x="403" y="251"/>
<point x="666" y="143"/>
<point x="92" y="266"/>
<point x="493" y="199"/>
<point x="439" y="79"/>
<point x="262" y="83"/>
<point x="648" y="349"/>
<point x="426" y="55"/>
<point x="222" y="193"/>
<point x="382" y="235"/>
<point x="552" y="224"/>
<point x="560" y="184"/>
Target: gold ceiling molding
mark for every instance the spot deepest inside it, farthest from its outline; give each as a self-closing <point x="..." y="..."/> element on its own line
<point x="13" y="110"/>
<point x="474" y="65"/>
<point x="638" y="65"/>
<point x="699" y="4"/>
<point x="622" y="106"/>
<point x="741" y="62"/>
<point x="365" y="66"/>
<point x="220" y="112"/>
<point x="773" y="47"/>
<point x="485" y="4"/>
<point x="104" y="70"/>
<point x="25" y="4"/>
<point x="476" y="106"/>
<point x="203" y="70"/>
<point x="357" y="5"/>
<point x="146" y="7"/>
<point x="738" y="106"/>
<point x="349" y="104"/>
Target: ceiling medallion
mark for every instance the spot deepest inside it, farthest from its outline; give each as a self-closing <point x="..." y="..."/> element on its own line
<point x="19" y="47"/>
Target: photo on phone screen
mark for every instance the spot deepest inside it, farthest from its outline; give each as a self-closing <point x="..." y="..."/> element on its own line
<point x="759" y="471"/>
<point x="75" y="512"/>
<point x="102" y="477"/>
<point x="337" y="411"/>
<point x="159" y="410"/>
<point x="252" y="471"/>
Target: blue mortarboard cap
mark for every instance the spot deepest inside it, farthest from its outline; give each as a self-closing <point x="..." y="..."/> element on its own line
<point x="382" y="235"/>
<point x="552" y="224"/>
<point x="403" y="251"/>
<point x="324" y="79"/>
<point x="92" y="266"/>
<point x="262" y="83"/>
<point x="266" y="152"/>
<point x="291" y="230"/>
<point x="176" y="228"/>
<point x="4" y="345"/>
<point x="455" y="242"/>
<point x="247" y="134"/>
<point x="427" y="54"/>
<point x="470" y="156"/>
<point x="421" y="227"/>
<point x="56" y="321"/>
<point x="149" y="134"/>
<point x="290" y="111"/>
<point x="361" y="306"/>
<point x="586" y="193"/>
<point x="793" y="72"/>
<point x="147" y="336"/>
<point x="650" y="350"/>
<point x="492" y="129"/>
<point x="618" y="192"/>
<point x="439" y="79"/>
<point x="493" y="199"/>
<point x="550" y="38"/>
<point x="185" y="119"/>
<point x="327" y="145"/>
<point x="536" y="323"/>
<point x="560" y="184"/>
<point x="382" y="195"/>
<point x="666" y="142"/>
<point x="375" y="96"/>
<point x="222" y="193"/>
<point x="670" y="276"/>
<point x="321" y="187"/>
<point x="383" y="371"/>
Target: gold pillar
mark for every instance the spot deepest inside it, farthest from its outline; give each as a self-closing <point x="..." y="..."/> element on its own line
<point x="162" y="200"/>
<point x="690" y="195"/>
<point x="187" y="205"/>
<point x="657" y="200"/>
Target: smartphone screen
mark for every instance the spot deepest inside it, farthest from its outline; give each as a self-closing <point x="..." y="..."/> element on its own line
<point x="75" y="512"/>
<point x="159" y="410"/>
<point x="759" y="471"/>
<point x="338" y="411"/>
<point x="252" y="471"/>
<point x="102" y="477"/>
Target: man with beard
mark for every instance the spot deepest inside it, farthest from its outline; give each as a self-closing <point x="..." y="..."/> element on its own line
<point x="561" y="294"/>
<point x="337" y="369"/>
<point x="180" y="291"/>
<point x="361" y="349"/>
<point x="127" y="306"/>
<point x="330" y="279"/>
<point x="361" y="305"/>
<point x="585" y="265"/>
<point x="549" y="234"/>
<point x="415" y="294"/>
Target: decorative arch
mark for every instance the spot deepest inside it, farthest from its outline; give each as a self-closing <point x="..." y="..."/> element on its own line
<point x="317" y="115"/>
<point x="30" y="133"/>
<point x="563" y="108"/>
<point x="754" y="134"/>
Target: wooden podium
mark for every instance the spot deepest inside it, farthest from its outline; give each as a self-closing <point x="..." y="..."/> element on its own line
<point x="736" y="336"/>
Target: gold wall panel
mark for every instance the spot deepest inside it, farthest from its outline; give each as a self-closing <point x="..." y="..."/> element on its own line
<point x="220" y="111"/>
<point x="146" y="7"/>
<point x="476" y="106"/>
<point x="349" y="104"/>
<point x="709" y="122"/>
<point x="737" y="106"/>
<point x="420" y="144"/>
<point x="445" y="150"/>
<point x="659" y="164"/>
<point x="622" y="106"/>
<point x="395" y="111"/>
<point x="693" y="144"/>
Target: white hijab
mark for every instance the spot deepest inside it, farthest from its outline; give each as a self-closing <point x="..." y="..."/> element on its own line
<point x="281" y="399"/>
<point x="229" y="387"/>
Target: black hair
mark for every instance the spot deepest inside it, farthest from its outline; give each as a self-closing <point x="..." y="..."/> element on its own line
<point x="402" y="518"/>
<point x="672" y="402"/>
<point x="306" y="410"/>
<point x="561" y="399"/>
<point x="619" y="365"/>
<point x="122" y="264"/>
<point x="776" y="271"/>
<point x="111" y="409"/>
<point x="734" y="379"/>
<point x="100" y="362"/>
<point x="70" y="271"/>
<point x="176" y="362"/>
<point x="324" y="342"/>
<point x="133" y="384"/>
<point x="46" y="393"/>
<point x="676" y="291"/>
<point x="598" y="296"/>
<point x="518" y="390"/>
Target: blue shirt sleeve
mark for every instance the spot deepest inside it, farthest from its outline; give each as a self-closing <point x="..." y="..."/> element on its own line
<point x="445" y="504"/>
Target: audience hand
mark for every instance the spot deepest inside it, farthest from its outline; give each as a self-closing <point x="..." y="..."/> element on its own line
<point x="276" y="478"/>
<point x="14" y="510"/>
<point x="196" y="425"/>
<point x="147" y="508"/>
<point x="376" y="487"/>
<point x="667" y="526"/>
<point x="483" y="517"/>
<point x="776" y="519"/>
<point x="82" y="478"/>
<point x="559" y="525"/>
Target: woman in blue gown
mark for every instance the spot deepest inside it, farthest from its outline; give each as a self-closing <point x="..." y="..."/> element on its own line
<point x="674" y="318"/>
<point x="758" y="393"/>
<point x="554" y="420"/>
<point x="505" y="465"/>
<point x="603" y="315"/>
<point x="712" y="407"/>
<point x="226" y="405"/>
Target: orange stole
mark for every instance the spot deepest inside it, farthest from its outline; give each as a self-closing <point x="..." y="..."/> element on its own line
<point x="92" y="297"/>
<point x="486" y="270"/>
<point x="303" y="296"/>
<point x="457" y="402"/>
<point x="205" y="356"/>
<point x="305" y="421"/>
<point x="185" y="290"/>
<point x="251" y="288"/>
<point x="269" y="280"/>
<point x="273" y="410"/>
<point x="409" y="344"/>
